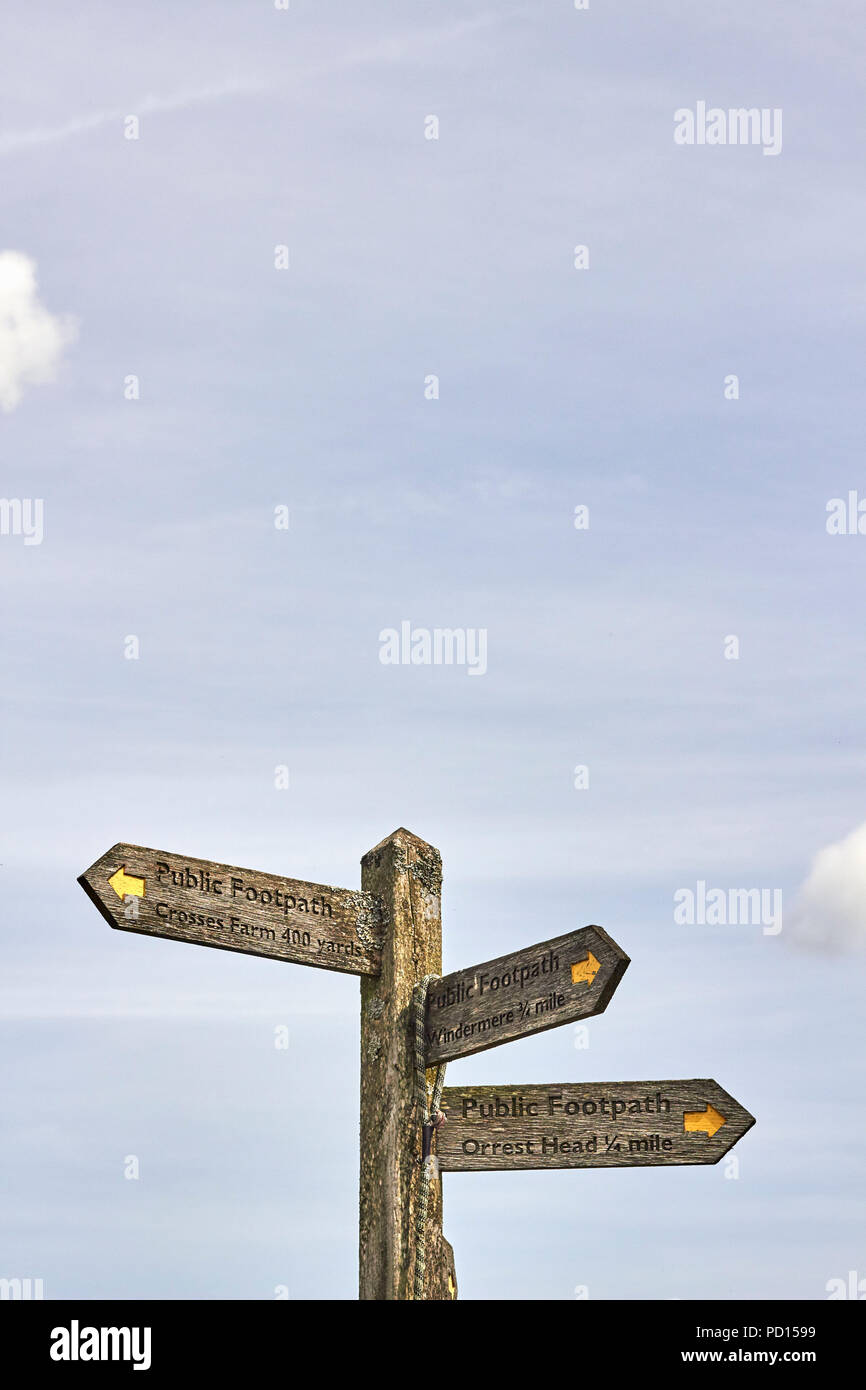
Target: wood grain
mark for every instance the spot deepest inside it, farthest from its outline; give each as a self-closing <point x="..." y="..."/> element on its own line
<point x="617" y="1124"/>
<point x="405" y="874"/>
<point x="235" y="909"/>
<point x="525" y="992"/>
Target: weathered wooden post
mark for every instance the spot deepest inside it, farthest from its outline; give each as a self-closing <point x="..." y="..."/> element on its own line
<point x="405" y="874"/>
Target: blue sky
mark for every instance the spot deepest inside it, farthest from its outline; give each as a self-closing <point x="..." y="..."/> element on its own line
<point x="258" y="647"/>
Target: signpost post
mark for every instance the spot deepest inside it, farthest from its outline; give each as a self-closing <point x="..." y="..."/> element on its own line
<point x="405" y="874"/>
<point x="390" y="934"/>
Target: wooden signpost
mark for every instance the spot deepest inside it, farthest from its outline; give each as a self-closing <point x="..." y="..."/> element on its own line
<point x="413" y="1021"/>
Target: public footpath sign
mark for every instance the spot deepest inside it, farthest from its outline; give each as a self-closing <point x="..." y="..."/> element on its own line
<point x="617" y="1124"/>
<point x="529" y="991"/>
<point x="161" y="894"/>
<point x="389" y="933"/>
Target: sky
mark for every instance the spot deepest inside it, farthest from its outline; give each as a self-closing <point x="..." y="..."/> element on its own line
<point x="167" y="382"/>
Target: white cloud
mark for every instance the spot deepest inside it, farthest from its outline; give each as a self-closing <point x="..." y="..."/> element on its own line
<point x="31" y="339"/>
<point x="830" y="909"/>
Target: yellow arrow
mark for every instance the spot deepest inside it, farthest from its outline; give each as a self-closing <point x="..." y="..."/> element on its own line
<point x="585" y="970"/>
<point x="703" y="1121"/>
<point x="126" y="885"/>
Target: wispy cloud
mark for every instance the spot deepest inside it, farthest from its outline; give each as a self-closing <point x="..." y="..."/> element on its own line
<point x="402" y="48"/>
<point x="14" y="140"/>
<point x="389" y="50"/>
